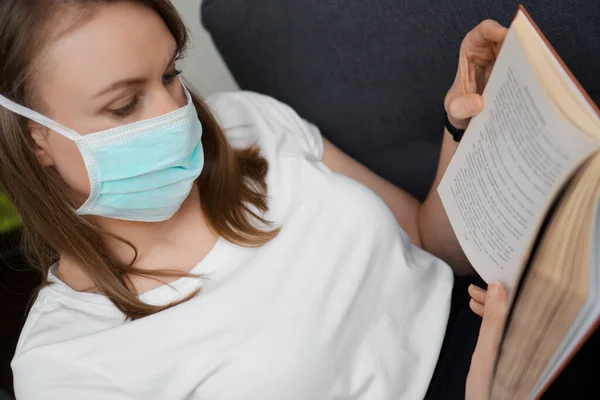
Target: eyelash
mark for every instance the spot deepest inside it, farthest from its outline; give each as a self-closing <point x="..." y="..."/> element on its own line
<point x="130" y="108"/>
<point x="169" y="78"/>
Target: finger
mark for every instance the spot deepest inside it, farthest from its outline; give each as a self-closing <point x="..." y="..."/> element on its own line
<point x="488" y="31"/>
<point x="465" y="106"/>
<point x="476" y="307"/>
<point x="492" y="31"/>
<point x="494" y="315"/>
<point x="477" y="293"/>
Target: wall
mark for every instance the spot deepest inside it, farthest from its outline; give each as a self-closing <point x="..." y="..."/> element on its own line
<point x="203" y="67"/>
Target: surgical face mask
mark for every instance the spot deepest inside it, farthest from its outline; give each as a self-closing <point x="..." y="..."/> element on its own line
<point x="138" y="172"/>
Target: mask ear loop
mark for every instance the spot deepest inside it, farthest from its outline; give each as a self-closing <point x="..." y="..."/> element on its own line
<point x="39" y="118"/>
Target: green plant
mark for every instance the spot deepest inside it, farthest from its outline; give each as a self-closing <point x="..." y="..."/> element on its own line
<point x="9" y="218"/>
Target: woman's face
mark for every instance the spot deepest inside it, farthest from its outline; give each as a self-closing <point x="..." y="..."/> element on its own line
<point x="116" y="68"/>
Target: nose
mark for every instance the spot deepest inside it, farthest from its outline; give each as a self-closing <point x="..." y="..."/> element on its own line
<point x="169" y="99"/>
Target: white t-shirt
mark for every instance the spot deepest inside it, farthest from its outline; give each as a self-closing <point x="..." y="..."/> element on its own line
<point x="340" y="305"/>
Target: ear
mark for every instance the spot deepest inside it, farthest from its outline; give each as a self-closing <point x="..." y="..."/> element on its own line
<point x="39" y="135"/>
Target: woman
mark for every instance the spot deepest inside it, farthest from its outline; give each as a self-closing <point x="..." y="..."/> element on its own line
<point x="216" y="250"/>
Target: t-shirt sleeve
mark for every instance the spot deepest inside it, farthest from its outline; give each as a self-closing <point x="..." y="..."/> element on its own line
<point x="248" y="118"/>
<point x="49" y="378"/>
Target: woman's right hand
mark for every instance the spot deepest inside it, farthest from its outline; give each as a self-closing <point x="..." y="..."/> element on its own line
<point x="478" y="52"/>
<point x="492" y="305"/>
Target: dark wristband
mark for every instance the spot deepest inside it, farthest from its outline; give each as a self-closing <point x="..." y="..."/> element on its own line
<point x="456" y="133"/>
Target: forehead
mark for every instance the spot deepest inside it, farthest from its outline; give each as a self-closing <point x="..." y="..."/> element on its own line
<point x="119" y="41"/>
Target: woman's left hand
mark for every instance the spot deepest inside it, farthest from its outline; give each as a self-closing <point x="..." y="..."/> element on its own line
<point x="492" y="305"/>
<point x="478" y="53"/>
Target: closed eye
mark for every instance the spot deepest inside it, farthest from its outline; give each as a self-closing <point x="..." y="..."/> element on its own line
<point x="169" y="78"/>
<point x="127" y="110"/>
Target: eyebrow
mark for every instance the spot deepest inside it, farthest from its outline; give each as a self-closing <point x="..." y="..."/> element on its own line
<point x="133" y="81"/>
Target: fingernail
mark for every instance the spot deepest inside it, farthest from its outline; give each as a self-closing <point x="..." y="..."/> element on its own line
<point x="474" y="288"/>
<point x="493" y="292"/>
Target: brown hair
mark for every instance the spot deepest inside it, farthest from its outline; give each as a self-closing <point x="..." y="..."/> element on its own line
<point x="232" y="184"/>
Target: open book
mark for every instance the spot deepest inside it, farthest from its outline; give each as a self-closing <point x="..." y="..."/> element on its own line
<point x="523" y="196"/>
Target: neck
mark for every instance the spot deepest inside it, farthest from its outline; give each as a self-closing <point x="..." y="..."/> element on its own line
<point x="146" y="236"/>
<point x="175" y="244"/>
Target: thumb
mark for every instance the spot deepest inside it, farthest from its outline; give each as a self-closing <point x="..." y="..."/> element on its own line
<point x="492" y="326"/>
<point x="463" y="107"/>
<point x="479" y="380"/>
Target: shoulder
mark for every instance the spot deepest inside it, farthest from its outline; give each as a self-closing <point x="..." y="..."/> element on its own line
<point x="238" y="107"/>
<point x="57" y="317"/>
<point x="39" y="376"/>
<point x="40" y="369"/>
<point x="250" y="118"/>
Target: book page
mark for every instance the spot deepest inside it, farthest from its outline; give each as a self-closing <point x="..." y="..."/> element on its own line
<point x="586" y="319"/>
<point x="510" y="164"/>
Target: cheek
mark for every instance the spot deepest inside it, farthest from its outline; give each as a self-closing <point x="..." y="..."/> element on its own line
<point x="69" y="164"/>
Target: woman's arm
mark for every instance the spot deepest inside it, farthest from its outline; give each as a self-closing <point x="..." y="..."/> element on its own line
<point x="436" y="233"/>
<point x="427" y="223"/>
